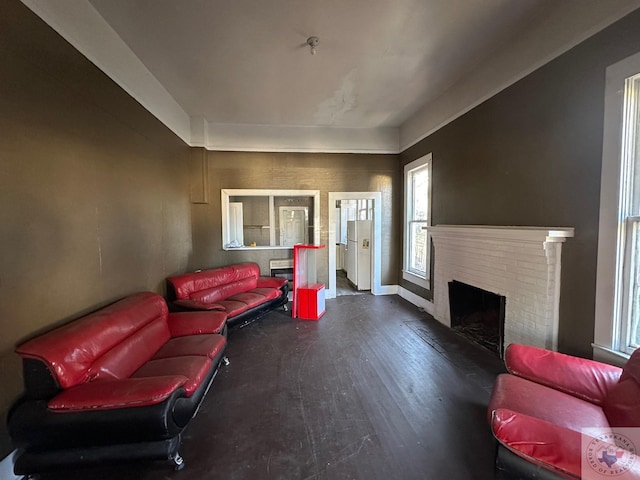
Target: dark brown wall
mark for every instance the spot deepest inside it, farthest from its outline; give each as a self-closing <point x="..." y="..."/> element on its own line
<point x="531" y="155"/>
<point x="94" y="196"/>
<point x="94" y="192"/>
<point x="94" y="199"/>
<point x="298" y="171"/>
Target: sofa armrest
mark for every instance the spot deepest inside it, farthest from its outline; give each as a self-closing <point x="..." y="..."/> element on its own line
<point x="580" y="377"/>
<point x="195" y="305"/>
<point x="539" y="442"/>
<point x="553" y="447"/>
<point x="271" y="282"/>
<point x="114" y="394"/>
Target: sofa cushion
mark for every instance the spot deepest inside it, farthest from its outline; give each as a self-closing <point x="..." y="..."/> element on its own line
<point x="621" y="405"/>
<point x="222" y="292"/>
<point x="110" y="394"/>
<point x="196" y="323"/>
<point x="208" y="345"/>
<point x="131" y="353"/>
<point x="251" y="299"/>
<point x="194" y="367"/>
<point x="195" y="305"/>
<point x="70" y="350"/>
<point x="234" y="308"/>
<point x="579" y="377"/>
<point x="184" y="285"/>
<point x="271" y="282"/>
<point x="529" y="398"/>
<point x="267" y="293"/>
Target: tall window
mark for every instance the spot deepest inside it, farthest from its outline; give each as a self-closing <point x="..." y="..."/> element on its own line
<point x="617" y="323"/>
<point x="629" y="241"/>
<point x="417" y="181"/>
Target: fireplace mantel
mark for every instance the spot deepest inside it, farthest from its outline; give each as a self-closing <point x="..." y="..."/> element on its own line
<point x="525" y="234"/>
<point x="520" y="263"/>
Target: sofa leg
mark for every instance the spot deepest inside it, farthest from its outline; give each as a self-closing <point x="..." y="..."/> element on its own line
<point x="178" y="461"/>
<point x="225" y="360"/>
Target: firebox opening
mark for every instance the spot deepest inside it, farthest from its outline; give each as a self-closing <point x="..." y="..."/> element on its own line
<point x="478" y="315"/>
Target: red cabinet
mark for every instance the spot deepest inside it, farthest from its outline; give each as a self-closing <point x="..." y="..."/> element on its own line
<point x="308" y="294"/>
<point x="311" y="301"/>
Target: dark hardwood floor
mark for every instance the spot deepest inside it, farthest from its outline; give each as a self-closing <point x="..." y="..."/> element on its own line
<point x="374" y="390"/>
<point x="344" y="286"/>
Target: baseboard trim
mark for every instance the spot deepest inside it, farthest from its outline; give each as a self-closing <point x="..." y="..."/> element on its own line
<point x="417" y="300"/>
<point x="387" y="290"/>
<point x="6" y="467"/>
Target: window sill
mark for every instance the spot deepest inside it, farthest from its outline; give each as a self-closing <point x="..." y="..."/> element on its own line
<point x="233" y="249"/>
<point x="607" y="355"/>
<point x="416" y="280"/>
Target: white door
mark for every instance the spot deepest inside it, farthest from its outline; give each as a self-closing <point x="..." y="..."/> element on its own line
<point x="293" y="226"/>
<point x="235" y="228"/>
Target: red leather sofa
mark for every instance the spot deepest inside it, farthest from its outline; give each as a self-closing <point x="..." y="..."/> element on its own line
<point x="120" y="383"/>
<point x="537" y="411"/>
<point x="238" y="290"/>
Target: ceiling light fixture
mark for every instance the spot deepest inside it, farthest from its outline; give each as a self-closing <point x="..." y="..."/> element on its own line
<point x="313" y="43"/>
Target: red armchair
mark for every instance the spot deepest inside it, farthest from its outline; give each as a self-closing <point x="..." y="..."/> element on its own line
<point x="537" y="411"/>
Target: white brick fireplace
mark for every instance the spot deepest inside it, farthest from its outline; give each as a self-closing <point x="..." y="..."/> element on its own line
<point x="519" y="263"/>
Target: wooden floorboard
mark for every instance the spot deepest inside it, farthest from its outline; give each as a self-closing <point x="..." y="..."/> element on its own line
<point x="344" y="286"/>
<point x="376" y="389"/>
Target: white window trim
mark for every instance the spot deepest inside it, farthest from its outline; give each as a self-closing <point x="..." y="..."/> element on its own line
<point x="225" y="193"/>
<point x="424" y="282"/>
<point x="606" y="345"/>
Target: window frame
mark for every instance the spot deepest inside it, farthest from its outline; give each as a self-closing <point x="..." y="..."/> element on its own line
<point x="628" y="263"/>
<point x="616" y="220"/>
<point x="226" y="193"/>
<point x="407" y="273"/>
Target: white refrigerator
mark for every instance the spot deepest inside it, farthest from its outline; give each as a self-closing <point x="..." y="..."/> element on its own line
<point x="358" y="254"/>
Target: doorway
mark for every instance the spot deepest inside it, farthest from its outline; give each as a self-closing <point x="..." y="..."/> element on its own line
<point x="376" y="237"/>
<point x="294" y="225"/>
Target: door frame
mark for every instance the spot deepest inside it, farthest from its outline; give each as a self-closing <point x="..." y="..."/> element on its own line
<point x="376" y="265"/>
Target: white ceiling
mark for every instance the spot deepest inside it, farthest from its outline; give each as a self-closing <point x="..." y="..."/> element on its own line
<point x="237" y="74"/>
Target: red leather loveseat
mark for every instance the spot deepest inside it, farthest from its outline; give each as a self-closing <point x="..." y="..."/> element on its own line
<point x="538" y="411"/>
<point x="238" y="290"/>
<point x="120" y="383"/>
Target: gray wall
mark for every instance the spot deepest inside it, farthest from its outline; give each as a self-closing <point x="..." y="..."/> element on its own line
<point x="531" y="155"/>
<point x="94" y="198"/>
